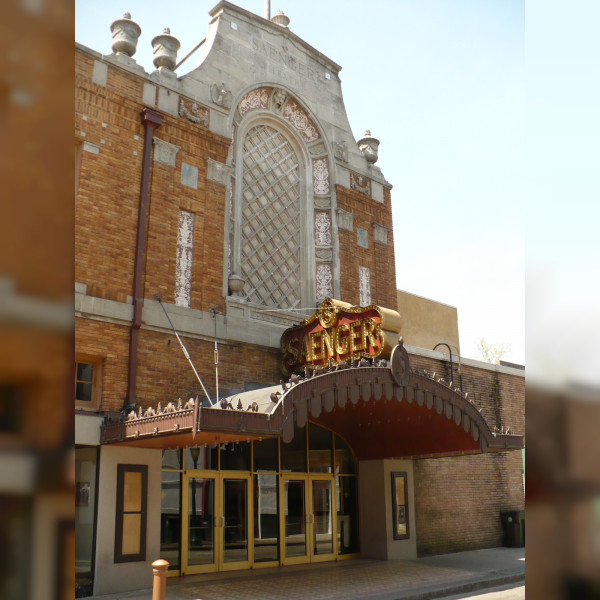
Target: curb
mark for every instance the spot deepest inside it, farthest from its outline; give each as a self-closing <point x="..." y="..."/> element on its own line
<point x="459" y="588"/>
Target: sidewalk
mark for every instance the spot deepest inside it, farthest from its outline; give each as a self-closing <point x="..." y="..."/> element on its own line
<point x="359" y="579"/>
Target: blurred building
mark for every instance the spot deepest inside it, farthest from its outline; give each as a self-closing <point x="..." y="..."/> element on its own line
<point x="231" y="204"/>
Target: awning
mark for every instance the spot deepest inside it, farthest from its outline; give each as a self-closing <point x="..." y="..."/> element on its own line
<point x="383" y="409"/>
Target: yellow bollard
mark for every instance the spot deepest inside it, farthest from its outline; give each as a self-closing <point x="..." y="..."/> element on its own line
<point x="159" y="587"/>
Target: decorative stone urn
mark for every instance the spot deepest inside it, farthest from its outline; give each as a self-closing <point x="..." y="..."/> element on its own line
<point x="236" y="284"/>
<point x="125" y="35"/>
<point x="165" y="50"/>
<point x="280" y="19"/>
<point x="369" y="147"/>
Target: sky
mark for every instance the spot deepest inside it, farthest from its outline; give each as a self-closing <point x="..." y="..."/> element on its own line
<point x="441" y="84"/>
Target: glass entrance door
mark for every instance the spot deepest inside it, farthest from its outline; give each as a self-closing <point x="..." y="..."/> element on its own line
<point x="215" y="532"/>
<point x="307" y="519"/>
<point x="322" y="520"/>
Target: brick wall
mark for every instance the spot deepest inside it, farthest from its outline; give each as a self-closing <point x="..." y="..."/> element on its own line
<point x="164" y="373"/>
<point x="458" y="499"/>
<point x="378" y="257"/>
<point x="108" y="195"/>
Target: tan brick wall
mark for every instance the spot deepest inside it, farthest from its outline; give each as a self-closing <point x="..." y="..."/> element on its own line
<point x="378" y="258"/>
<point x="458" y="499"/>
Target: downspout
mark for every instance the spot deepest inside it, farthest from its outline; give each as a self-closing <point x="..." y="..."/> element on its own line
<point x="151" y="121"/>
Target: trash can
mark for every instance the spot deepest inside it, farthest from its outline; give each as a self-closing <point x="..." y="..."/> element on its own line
<point x="513" y="527"/>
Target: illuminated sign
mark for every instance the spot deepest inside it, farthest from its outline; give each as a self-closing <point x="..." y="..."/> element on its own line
<point x="333" y="333"/>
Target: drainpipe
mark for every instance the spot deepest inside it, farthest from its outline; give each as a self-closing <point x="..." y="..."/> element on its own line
<point x="151" y="121"/>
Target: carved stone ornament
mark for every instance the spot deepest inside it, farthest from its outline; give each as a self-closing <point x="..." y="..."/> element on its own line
<point x="322" y="202"/>
<point x="324" y="254"/>
<point x="165" y="48"/>
<point x="369" y="146"/>
<point x="125" y="35"/>
<point x="296" y="115"/>
<point x="360" y="183"/>
<point x="195" y="114"/>
<point x="317" y="149"/>
<point x="217" y="172"/>
<point x="340" y="151"/>
<point x="236" y="284"/>
<point x="164" y="152"/>
<point x="254" y="99"/>
<point x="364" y="286"/>
<point x="279" y="98"/>
<point x="220" y="95"/>
<point x="324" y="280"/>
<point x="321" y="176"/>
<point x="322" y="229"/>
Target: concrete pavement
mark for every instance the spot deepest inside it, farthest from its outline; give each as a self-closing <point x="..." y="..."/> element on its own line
<point x="359" y="579"/>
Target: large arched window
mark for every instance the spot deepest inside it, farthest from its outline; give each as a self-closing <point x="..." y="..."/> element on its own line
<point x="271" y="231"/>
<point x="281" y="235"/>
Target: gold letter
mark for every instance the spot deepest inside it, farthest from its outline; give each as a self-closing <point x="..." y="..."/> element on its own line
<point x="341" y="344"/>
<point x="327" y="342"/>
<point x="316" y="350"/>
<point x="368" y="329"/>
<point x="353" y="327"/>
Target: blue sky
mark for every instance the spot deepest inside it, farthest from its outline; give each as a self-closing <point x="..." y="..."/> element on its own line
<point x="442" y="85"/>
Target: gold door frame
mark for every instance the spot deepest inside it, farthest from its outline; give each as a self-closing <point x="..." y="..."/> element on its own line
<point x="309" y="518"/>
<point x="218" y="525"/>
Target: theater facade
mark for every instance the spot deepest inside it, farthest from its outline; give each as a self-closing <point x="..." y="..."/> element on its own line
<point x="244" y="396"/>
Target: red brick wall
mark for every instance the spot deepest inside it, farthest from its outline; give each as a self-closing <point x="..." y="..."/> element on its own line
<point x="164" y="373"/>
<point x="378" y="258"/>
<point x="108" y="195"/>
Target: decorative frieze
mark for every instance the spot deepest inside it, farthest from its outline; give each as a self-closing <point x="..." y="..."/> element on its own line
<point x="364" y="286"/>
<point x="217" y="172"/>
<point x="254" y="99"/>
<point x="194" y="113"/>
<point x="296" y="115"/>
<point x="345" y="219"/>
<point x="164" y="152"/>
<point x="322" y="229"/>
<point x="380" y="233"/>
<point x="324" y="282"/>
<point x="360" y="183"/>
<point x="183" y="272"/>
<point x="321" y="176"/>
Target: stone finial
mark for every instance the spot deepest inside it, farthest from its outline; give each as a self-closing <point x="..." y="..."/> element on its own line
<point x="125" y="35"/>
<point x="280" y="19"/>
<point x="369" y="147"/>
<point x="165" y="50"/>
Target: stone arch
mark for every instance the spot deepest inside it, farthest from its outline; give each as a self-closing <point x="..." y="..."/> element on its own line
<point x="278" y="111"/>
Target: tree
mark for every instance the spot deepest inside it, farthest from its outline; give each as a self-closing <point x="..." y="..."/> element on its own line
<point x="491" y="352"/>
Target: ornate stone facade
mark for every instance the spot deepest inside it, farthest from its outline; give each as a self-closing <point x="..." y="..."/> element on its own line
<point x="185" y="245"/>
